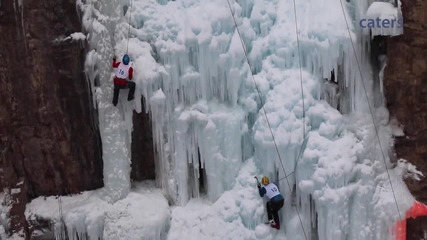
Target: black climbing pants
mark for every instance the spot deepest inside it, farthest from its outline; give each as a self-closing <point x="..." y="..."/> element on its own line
<point x="273" y="208"/>
<point x="130" y="85"/>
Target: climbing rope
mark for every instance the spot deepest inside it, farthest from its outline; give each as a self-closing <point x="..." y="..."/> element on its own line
<point x="370" y="108"/>
<point x="262" y="105"/>
<point x="300" y="69"/>
<point x="130" y="16"/>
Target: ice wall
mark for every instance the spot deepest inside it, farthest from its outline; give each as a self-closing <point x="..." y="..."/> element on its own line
<point x="142" y="214"/>
<point x="191" y="70"/>
<point x="195" y="97"/>
<point x="342" y="188"/>
<point x="203" y="72"/>
<point x="99" y="19"/>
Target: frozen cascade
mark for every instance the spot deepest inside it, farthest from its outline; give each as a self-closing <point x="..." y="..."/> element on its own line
<point x="115" y="127"/>
<point x="339" y="169"/>
<point x="200" y="118"/>
<point x="87" y="216"/>
<point x="210" y="133"/>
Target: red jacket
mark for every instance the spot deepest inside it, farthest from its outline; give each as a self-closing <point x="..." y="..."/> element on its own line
<point x="120" y="81"/>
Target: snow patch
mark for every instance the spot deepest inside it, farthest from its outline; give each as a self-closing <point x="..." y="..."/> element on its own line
<point x="77" y="36"/>
<point x="408" y="170"/>
<point x="396" y="128"/>
<point x="144" y="212"/>
<point x="386" y="11"/>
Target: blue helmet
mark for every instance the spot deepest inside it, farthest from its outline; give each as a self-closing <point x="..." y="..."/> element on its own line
<point x="126" y="59"/>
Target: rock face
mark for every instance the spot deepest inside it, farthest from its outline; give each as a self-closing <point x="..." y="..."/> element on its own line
<point x="416" y="228"/>
<point x="142" y="148"/>
<point x="48" y="131"/>
<point x="17" y="198"/>
<point x="406" y="89"/>
<point x="406" y="92"/>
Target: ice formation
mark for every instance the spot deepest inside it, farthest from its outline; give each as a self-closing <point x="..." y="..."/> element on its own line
<point x="209" y="119"/>
<point x="385" y="11"/>
<point x="144" y="212"/>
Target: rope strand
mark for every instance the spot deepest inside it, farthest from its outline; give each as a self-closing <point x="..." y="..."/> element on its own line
<point x="130" y="16"/>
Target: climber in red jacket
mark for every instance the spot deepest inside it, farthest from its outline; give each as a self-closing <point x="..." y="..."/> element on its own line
<point x="123" y="72"/>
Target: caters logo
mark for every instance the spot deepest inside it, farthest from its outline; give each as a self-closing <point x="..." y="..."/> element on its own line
<point x="381" y="23"/>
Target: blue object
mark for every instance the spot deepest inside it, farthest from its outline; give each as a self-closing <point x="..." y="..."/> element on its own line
<point x="277" y="198"/>
<point x="126" y="59"/>
<point x="262" y="191"/>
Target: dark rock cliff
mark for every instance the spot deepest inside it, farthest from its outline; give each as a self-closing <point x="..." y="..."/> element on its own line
<point x="143" y="166"/>
<point x="49" y="141"/>
<point x="406" y="89"/>
<point x="406" y="93"/>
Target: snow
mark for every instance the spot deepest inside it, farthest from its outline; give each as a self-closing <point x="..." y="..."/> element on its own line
<point x="210" y="129"/>
<point x="6" y="201"/>
<point x="16" y="236"/>
<point x="15" y="191"/>
<point x="73" y="37"/>
<point x="396" y="128"/>
<point x="77" y="36"/>
<point x="386" y="11"/>
<point x="407" y="170"/>
<point x="143" y="212"/>
<point x="3" y="233"/>
<point x="4" y="218"/>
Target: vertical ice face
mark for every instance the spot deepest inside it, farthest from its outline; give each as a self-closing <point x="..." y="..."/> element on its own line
<point x="340" y="175"/>
<point x="115" y="124"/>
<point x="192" y="88"/>
<point x="194" y="94"/>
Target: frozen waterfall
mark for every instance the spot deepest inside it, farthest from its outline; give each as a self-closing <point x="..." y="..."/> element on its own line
<point x="210" y="132"/>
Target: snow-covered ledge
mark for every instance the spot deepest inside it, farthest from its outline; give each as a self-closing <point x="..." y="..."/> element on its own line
<point x="143" y="214"/>
<point x="383" y="18"/>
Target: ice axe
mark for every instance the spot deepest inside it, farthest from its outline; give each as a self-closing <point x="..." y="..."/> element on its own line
<point x="257" y="182"/>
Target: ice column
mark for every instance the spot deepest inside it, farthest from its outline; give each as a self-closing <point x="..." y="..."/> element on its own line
<point x="114" y="124"/>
